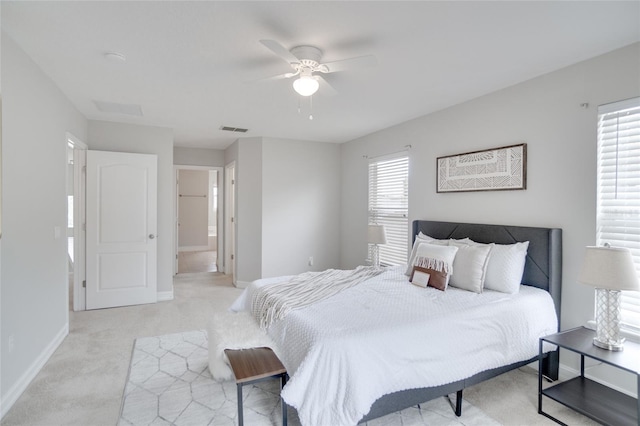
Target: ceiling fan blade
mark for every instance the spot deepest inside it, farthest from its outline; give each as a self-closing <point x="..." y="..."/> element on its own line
<point x="325" y="87"/>
<point x="280" y="76"/>
<point x="277" y="77"/>
<point x="257" y="78"/>
<point x="280" y="51"/>
<point x="345" y="64"/>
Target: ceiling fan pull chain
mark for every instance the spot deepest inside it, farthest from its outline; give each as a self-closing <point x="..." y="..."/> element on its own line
<point x="310" y="107"/>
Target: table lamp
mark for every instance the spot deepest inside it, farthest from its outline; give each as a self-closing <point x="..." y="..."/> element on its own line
<point x="376" y="235"/>
<point x="610" y="270"/>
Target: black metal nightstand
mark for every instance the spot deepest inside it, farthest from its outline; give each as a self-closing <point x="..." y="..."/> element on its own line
<point x="587" y="397"/>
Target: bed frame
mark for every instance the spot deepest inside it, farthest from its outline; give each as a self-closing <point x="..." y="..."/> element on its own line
<point x="543" y="269"/>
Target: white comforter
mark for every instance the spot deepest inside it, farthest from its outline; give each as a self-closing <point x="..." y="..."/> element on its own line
<point x="386" y="335"/>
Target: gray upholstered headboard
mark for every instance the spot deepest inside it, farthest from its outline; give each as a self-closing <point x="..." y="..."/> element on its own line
<point x="543" y="267"/>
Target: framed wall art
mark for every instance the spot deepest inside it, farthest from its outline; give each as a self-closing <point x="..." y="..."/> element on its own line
<point x="495" y="169"/>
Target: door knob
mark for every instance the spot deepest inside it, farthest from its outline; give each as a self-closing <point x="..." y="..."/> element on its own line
<point x="151" y="236"/>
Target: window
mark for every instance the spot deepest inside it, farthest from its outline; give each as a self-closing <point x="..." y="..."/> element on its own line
<point x="389" y="205"/>
<point x="618" y="215"/>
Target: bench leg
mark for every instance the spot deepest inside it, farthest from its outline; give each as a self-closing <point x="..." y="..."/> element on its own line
<point x="240" y="419"/>
<point x="283" y="379"/>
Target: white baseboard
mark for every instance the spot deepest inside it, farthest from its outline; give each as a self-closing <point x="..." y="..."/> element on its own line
<point x="242" y="284"/>
<point x="23" y="382"/>
<point x="163" y="296"/>
<point x="194" y="248"/>
<point x="566" y="373"/>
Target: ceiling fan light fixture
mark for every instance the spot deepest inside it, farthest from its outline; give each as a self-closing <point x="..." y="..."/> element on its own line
<point x="306" y="85"/>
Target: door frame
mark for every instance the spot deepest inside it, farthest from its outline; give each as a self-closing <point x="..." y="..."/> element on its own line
<point x="79" y="221"/>
<point x="230" y="223"/>
<point x="220" y="259"/>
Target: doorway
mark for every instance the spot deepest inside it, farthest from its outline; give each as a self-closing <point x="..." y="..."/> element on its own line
<point x="198" y="221"/>
<point x="83" y="243"/>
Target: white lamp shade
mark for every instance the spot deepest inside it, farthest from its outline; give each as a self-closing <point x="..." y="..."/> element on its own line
<point x="306" y="85"/>
<point x="609" y="268"/>
<point x="377" y="235"/>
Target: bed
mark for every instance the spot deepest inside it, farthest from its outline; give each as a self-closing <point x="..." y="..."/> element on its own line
<point x="543" y="269"/>
<point x="379" y="367"/>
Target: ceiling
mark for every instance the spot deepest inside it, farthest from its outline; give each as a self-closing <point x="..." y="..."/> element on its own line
<point x="197" y="66"/>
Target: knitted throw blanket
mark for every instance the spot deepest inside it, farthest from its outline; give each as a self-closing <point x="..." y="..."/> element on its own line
<point x="435" y="264"/>
<point x="274" y="302"/>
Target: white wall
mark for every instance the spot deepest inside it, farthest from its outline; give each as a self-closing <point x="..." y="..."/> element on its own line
<point x="300" y="206"/>
<point x="561" y="184"/>
<point x="2" y="395"/>
<point x="198" y="157"/>
<point x="34" y="294"/>
<point x="107" y="136"/>
<point x="249" y="210"/>
<point x="288" y="196"/>
<point x="247" y="155"/>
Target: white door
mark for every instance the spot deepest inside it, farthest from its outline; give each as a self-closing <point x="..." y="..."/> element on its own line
<point x="121" y="229"/>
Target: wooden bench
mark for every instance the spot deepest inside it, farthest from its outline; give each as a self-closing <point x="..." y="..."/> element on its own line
<point x="254" y="365"/>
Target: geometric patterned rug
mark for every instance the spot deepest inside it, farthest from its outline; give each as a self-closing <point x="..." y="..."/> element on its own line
<point x="169" y="384"/>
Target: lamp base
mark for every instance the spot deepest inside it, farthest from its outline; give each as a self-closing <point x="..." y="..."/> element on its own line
<point x="608" y="319"/>
<point x="375" y="255"/>
<point x="610" y="346"/>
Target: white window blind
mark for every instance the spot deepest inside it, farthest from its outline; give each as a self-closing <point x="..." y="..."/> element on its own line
<point x="618" y="217"/>
<point x="389" y="205"/>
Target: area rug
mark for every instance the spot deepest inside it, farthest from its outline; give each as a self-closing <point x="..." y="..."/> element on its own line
<point x="169" y="384"/>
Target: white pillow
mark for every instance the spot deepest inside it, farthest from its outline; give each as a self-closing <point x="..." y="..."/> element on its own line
<point x="422" y="238"/>
<point x="505" y="266"/>
<point x="444" y="253"/>
<point x="427" y="238"/>
<point x="469" y="266"/>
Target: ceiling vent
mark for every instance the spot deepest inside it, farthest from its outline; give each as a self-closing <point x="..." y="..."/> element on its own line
<point x="234" y="129"/>
<point x="116" y="108"/>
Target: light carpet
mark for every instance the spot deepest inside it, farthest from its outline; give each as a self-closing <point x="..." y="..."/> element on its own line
<point x="169" y="384"/>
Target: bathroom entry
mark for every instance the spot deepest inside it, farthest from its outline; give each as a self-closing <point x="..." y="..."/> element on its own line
<point x="197" y="220"/>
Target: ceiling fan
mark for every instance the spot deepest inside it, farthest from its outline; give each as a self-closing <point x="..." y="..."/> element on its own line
<point x="306" y="63"/>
